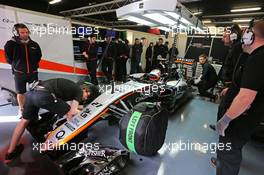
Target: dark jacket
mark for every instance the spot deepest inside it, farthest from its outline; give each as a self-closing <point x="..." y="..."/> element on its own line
<point x="230" y="61"/>
<point x="137" y="51"/>
<point x="149" y="53"/>
<point x="209" y="73"/>
<point x="160" y="50"/>
<point x="112" y="51"/>
<point x="122" y="50"/>
<point x="24" y="58"/>
<point x="175" y="54"/>
<point x="91" y="51"/>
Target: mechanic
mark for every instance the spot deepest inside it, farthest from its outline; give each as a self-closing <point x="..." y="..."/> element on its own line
<point x="175" y="54"/>
<point x="208" y="79"/>
<point x="122" y="56"/>
<point x="51" y="95"/>
<point x="108" y="61"/>
<point x="159" y="49"/>
<point x="232" y="39"/>
<point x="90" y="54"/>
<point x="149" y="57"/>
<point x="136" y="56"/>
<point x="247" y="109"/>
<point x="24" y="55"/>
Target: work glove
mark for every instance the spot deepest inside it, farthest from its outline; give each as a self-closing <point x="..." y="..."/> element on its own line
<point x="222" y="124"/>
<point x="197" y="80"/>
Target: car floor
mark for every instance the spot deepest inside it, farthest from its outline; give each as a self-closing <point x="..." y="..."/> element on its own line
<point x="188" y="125"/>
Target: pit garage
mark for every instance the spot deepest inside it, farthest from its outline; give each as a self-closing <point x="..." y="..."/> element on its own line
<point x="155" y="87"/>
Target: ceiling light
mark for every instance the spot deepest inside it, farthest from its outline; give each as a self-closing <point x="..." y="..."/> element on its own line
<point x="139" y="21"/>
<point x="160" y="18"/>
<point x="54" y="1"/>
<point x="241" y="20"/>
<point x="246" y="9"/>
<point x="207" y="21"/>
<point x="176" y="16"/>
<point x="197" y="13"/>
<point x="243" y="26"/>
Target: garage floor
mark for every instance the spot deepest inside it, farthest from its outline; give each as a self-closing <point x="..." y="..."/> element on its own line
<point x="189" y="124"/>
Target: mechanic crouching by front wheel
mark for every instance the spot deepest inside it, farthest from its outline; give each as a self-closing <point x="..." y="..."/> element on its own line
<point x="247" y="109"/>
<point x="208" y="79"/>
<point x="51" y="95"/>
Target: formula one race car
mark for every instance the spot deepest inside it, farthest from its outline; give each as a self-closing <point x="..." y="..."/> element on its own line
<point x="115" y="101"/>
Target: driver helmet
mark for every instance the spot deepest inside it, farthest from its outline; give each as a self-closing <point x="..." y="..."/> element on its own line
<point x="154" y="75"/>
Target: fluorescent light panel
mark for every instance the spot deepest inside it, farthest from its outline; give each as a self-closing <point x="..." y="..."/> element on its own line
<point x="207" y="21"/>
<point x="245" y="9"/>
<point x="176" y="16"/>
<point x="197" y="13"/>
<point x="139" y="20"/>
<point x="54" y="1"/>
<point x="160" y="18"/>
<point x="241" y="20"/>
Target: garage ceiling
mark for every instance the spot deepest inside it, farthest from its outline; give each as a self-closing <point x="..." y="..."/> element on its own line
<point x="217" y="11"/>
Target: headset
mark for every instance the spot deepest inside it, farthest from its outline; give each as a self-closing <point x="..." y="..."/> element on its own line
<point x="248" y="36"/>
<point x="235" y="32"/>
<point x="16" y="27"/>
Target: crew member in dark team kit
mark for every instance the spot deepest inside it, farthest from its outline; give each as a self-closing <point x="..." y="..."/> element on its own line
<point x="231" y="38"/>
<point x="247" y="109"/>
<point x="24" y="55"/>
<point x="149" y="57"/>
<point x="159" y="49"/>
<point x="108" y="61"/>
<point x="122" y="56"/>
<point x="208" y="79"/>
<point x="136" y="56"/>
<point x="91" y="58"/>
<point x="51" y="95"/>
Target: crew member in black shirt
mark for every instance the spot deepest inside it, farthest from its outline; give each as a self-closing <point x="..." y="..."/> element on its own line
<point x="24" y="55"/>
<point x="136" y="56"/>
<point x="108" y="61"/>
<point x="232" y="39"/>
<point x="149" y="57"/>
<point x="159" y="49"/>
<point x="91" y="58"/>
<point x="122" y="56"/>
<point x="52" y="96"/>
<point x="247" y="109"/>
<point x="208" y="79"/>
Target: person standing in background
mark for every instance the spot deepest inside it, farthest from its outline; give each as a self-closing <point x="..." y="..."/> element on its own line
<point x="121" y="61"/>
<point x="90" y="54"/>
<point x="136" y="56"/>
<point x="175" y="54"/>
<point x="24" y="55"/>
<point x="149" y="56"/>
<point x="108" y="61"/>
<point x="159" y="49"/>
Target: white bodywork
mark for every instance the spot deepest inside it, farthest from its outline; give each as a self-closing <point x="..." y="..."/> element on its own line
<point x="65" y="132"/>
